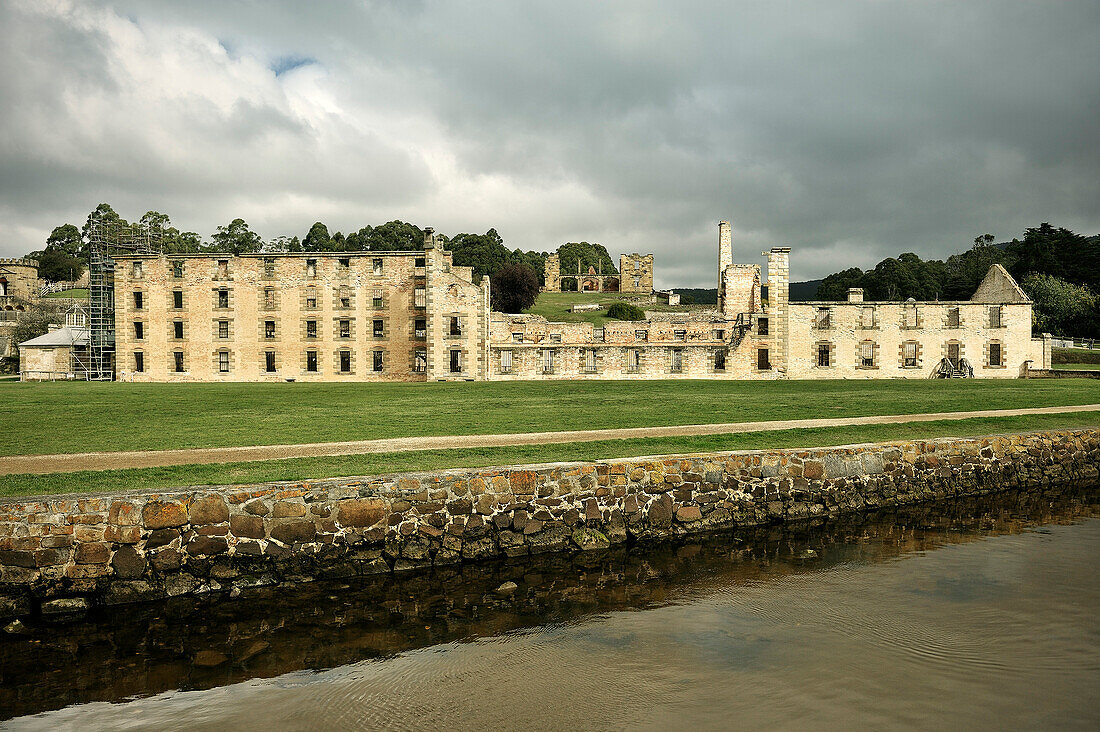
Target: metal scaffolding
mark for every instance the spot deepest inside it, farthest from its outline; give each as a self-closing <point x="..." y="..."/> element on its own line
<point x="105" y="239"/>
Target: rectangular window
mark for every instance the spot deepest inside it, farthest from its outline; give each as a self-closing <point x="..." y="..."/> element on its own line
<point x="909" y="354"/>
<point x="419" y="300"/>
<point x="823" y="318"/>
<point x="345" y="263"/>
<point x="953" y="319"/>
<point x="223" y="329"/>
<point x="177" y="359"/>
<point x="345" y="362"/>
<point x="269" y="272"/>
<point x="311" y="299"/>
<point x="505" y="362"/>
<point x="376" y="266"/>
<point x="420" y="329"/>
<point x="867" y="317"/>
<point x="764" y="295"/>
<point x="376" y="301"/>
<point x="762" y="326"/>
<point x="677" y="363"/>
<point x="345" y="329"/>
<point x="719" y="335"/>
<point x="640" y="335"/>
<point x="456" y="326"/>
<point x="269" y="298"/>
<point x="548" y="360"/>
<point x="223" y="362"/>
<point x="420" y="361"/>
<point x="418" y="262"/>
<point x="720" y="360"/>
<point x="517" y="338"/>
<point x="345" y="297"/>
<point x="824" y="355"/>
<point x="555" y="337"/>
<point x="379" y="328"/>
<point x="139" y="300"/>
<point x="136" y="270"/>
<point x="311" y="329"/>
<point x="223" y="268"/>
<point x="995" y="354"/>
<point x="680" y="335"/>
<point x="598" y="335"/>
<point x="177" y="299"/>
<point x="223" y="298"/>
<point x="139" y="330"/>
<point x="139" y="361"/>
<point x="867" y="354"/>
<point x="590" y="360"/>
<point x="995" y="316"/>
<point x="177" y="270"/>
<point x="909" y="317"/>
<point x="311" y="361"/>
<point x="311" y="268"/>
<point x="269" y="361"/>
<point x="177" y="329"/>
<point x="378" y="358"/>
<point x="269" y="329"/>
<point x="634" y="360"/>
<point x="456" y="362"/>
<point x="763" y="360"/>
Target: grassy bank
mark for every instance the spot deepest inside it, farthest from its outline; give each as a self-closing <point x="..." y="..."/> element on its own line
<point x="304" y="468"/>
<point x="554" y="306"/>
<point x="1075" y="359"/>
<point x="65" y="417"/>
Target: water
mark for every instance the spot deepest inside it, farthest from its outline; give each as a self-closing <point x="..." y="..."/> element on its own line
<point x="966" y="615"/>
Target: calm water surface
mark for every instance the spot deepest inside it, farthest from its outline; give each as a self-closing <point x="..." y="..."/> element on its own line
<point x="970" y="615"/>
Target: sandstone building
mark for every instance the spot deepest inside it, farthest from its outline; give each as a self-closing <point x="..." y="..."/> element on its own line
<point x="414" y="316"/>
<point x="635" y="275"/>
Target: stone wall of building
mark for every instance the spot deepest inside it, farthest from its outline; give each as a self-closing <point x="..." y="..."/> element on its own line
<point x="636" y="273"/>
<point x="347" y="316"/>
<point x="18" y="281"/>
<point x="64" y="552"/>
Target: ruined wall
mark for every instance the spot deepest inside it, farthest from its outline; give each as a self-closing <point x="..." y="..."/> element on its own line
<point x="552" y="273"/>
<point x="636" y="273"/>
<point x="64" y="552"/>
<point x="18" y="281"/>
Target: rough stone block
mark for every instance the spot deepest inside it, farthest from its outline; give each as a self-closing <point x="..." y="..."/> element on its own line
<point x="163" y="515"/>
<point x="210" y="509"/>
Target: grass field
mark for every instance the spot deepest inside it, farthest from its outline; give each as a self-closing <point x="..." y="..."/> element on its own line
<point x="1075" y="359"/>
<point x="66" y="417"/>
<point x="554" y="306"/>
<point x="378" y="464"/>
<point x="77" y="294"/>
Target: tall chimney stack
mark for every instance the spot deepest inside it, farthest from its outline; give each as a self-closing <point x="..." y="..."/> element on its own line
<point x="725" y="247"/>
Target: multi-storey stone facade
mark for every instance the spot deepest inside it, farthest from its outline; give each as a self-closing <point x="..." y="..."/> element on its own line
<point x="414" y="316"/>
<point x="345" y="316"/>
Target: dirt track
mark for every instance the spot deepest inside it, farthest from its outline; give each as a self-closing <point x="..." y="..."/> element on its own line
<point x="39" y="464"/>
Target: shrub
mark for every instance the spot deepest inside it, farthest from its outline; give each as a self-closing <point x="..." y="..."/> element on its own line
<point x="515" y="288"/>
<point x="625" y="311"/>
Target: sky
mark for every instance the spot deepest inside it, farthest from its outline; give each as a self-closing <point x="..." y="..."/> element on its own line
<point x="848" y="130"/>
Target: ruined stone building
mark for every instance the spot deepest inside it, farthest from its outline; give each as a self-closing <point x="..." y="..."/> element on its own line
<point x="635" y="276"/>
<point x="414" y="316"/>
<point x="18" y="289"/>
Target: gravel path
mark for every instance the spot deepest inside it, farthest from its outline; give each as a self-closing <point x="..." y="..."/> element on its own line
<point x="39" y="464"/>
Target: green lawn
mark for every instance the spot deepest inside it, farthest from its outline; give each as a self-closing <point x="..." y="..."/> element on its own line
<point x="554" y="306"/>
<point x="63" y="417"/>
<point x="1077" y="366"/>
<point x="304" y="468"/>
<point x="77" y="294"/>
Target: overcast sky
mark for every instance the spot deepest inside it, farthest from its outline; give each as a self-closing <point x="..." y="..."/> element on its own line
<point x="850" y="131"/>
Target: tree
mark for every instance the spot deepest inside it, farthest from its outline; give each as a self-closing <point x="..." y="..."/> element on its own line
<point x="236" y="238"/>
<point x="485" y="253"/>
<point x="317" y="239"/>
<point x="515" y="288"/>
<point x="588" y="255"/>
<point x="109" y="223"/>
<point x="625" y="311"/>
<point x="55" y="265"/>
<point x="836" y="285"/>
<point x="1061" y="307"/>
<point x="36" y="321"/>
<point x="392" y="236"/>
<point x="66" y="239"/>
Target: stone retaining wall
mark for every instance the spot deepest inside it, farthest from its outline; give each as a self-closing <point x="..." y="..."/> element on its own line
<point x="61" y="554"/>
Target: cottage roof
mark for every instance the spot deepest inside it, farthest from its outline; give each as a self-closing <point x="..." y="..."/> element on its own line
<point x="67" y="336"/>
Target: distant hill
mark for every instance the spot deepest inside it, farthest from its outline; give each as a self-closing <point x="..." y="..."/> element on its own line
<point x="800" y="292"/>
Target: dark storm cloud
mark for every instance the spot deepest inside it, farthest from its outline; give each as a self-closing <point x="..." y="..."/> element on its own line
<point x="850" y="131"/>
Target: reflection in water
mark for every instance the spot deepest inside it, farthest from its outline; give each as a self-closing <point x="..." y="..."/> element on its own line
<point x="966" y="613"/>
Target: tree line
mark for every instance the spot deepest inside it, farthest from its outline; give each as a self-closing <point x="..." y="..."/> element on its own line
<point x="1057" y="268"/>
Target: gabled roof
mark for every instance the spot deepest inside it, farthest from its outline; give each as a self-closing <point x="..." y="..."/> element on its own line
<point x="67" y="336"/>
<point x="998" y="286"/>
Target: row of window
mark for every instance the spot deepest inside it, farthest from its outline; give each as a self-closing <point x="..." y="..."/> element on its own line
<point x="910" y="354"/>
<point x="343" y="329"/>
<point x="343" y="361"/>
<point x="344" y="298"/>
<point x="599" y="334"/>
<point x="910" y="317"/>
<point x="548" y="362"/>
<point x="221" y="269"/>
